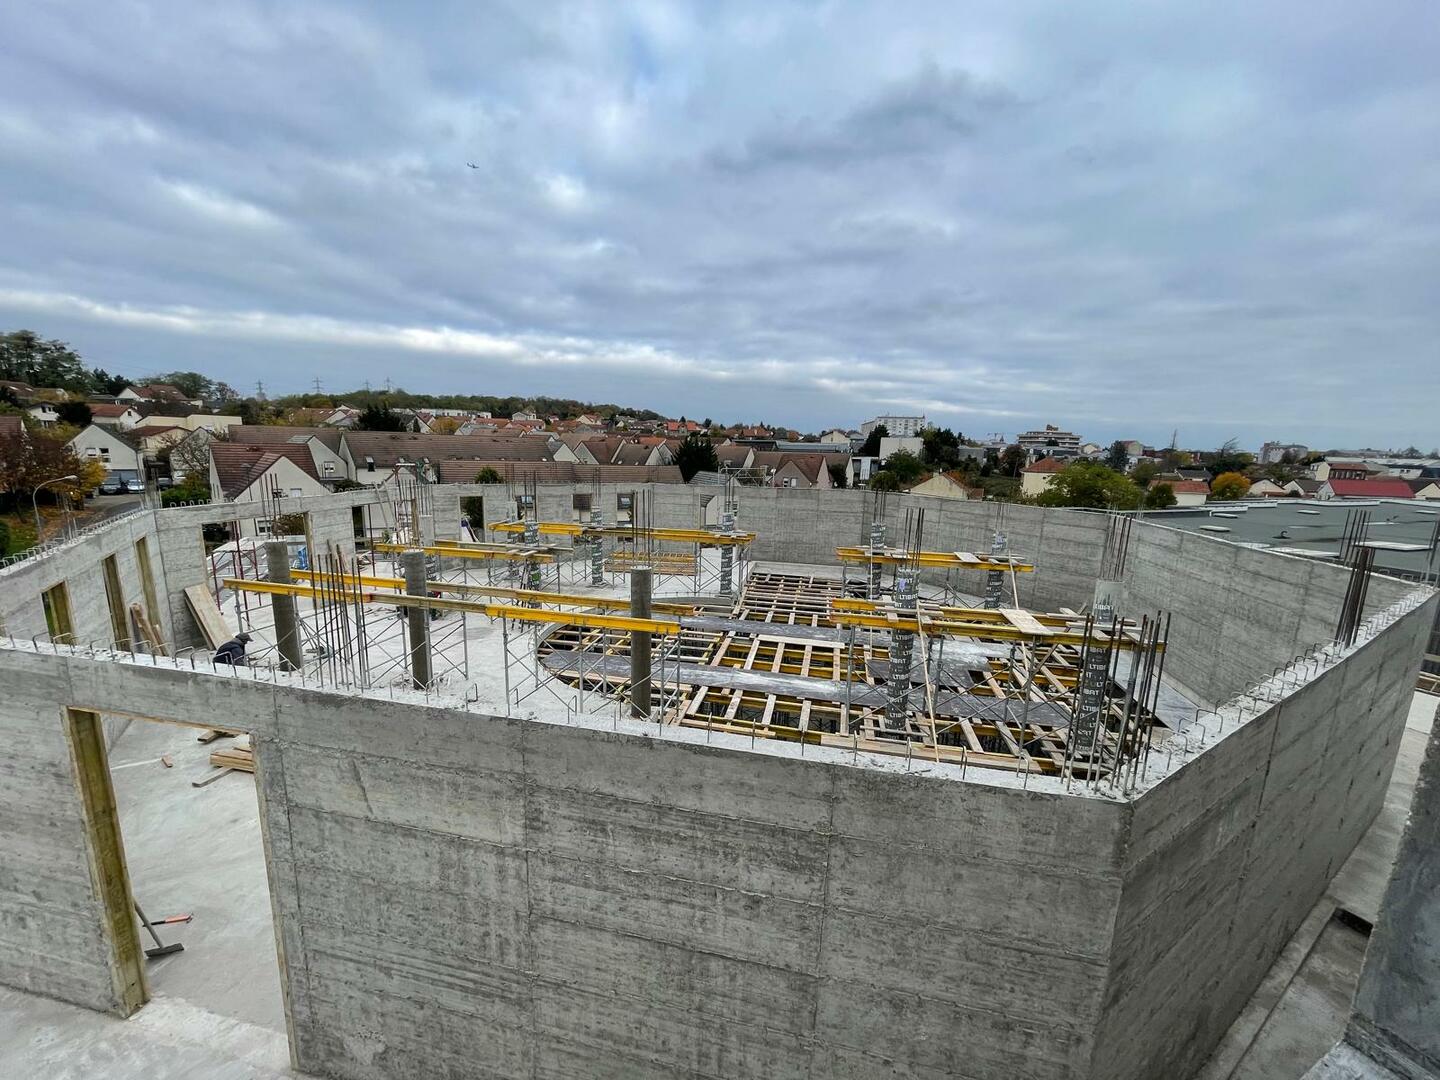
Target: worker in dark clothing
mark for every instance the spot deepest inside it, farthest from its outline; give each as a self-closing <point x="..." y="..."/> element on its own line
<point x="233" y="651"/>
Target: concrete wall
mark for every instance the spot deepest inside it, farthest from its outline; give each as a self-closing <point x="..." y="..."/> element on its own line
<point x="1396" y="1021"/>
<point x="53" y="933"/>
<point x="1226" y="857"/>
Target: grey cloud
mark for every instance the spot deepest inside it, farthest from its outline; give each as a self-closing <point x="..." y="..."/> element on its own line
<point x="1119" y="218"/>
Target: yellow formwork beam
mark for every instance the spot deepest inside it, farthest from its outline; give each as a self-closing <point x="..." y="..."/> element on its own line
<point x="608" y="603"/>
<point x="934" y="626"/>
<point x="493" y="611"/>
<point x="458" y="550"/>
<point x="621" y="532"/>
<point x="946" y="560"/>
<point x="951" y="613"/>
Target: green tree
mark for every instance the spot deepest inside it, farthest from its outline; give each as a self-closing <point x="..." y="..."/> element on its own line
<point x="75" y="413"/>
<point x="1228" y="458"/>
<point x="194" y="488"/>
<point x="1229" y="486"/>
<point x="190" y="383"/>
<point x="905" y="467"/>
<point x="379" y="417"/>
<point x="1090" y="484"/>
<point x="871" y="446"/>
<point x="473" y="508"/>
<point x="105" y="384"/>
<point x="1117" y="458"/>
<point x="839" y="475"/>
<point x="940" y="448"/>
<point x="1160" y="496"/>
<point x="487" y="475"/>
<point x="696" y="454"/>
<point x="27" y="357"/>
<point x="1012" y="460"/>
<point x="883" y="481"/>
<point x="1144" y="472"/>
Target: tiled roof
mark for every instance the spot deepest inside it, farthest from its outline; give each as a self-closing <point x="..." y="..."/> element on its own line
<point x="464" y="472"/>
<point x="388" y="447"/>
<point x="99" y="408"/>
<point x="1389" y="487"/>
<point x="11" y="427"/>
<point x="1046" y="465"/>
<point x="238" y="465"/>
<point x="270" y="434"/>
<point x="1187" y="487"/>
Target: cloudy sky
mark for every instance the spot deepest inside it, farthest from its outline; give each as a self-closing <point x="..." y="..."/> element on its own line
<point x="1120" y="217"/>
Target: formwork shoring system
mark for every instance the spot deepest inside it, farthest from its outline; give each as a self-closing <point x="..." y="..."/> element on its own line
<point x="797" y="659"/>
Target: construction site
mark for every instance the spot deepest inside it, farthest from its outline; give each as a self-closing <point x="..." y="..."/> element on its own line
<point x="562" y="780"/>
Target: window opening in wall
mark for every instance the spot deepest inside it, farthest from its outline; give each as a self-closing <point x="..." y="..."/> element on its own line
<point x="57" y="614"/>
<point x="115" y="601"/>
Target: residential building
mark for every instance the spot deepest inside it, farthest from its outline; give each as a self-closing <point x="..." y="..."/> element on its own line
<point x="1188" y="492"/>
<point x="161" y="393"/>
<point x="1272" y="453"/>
<point x="12" y="432"/>
<point x="154" y="438"/>
<point x="1265" y="489"/>
<point x="43" y="413"/>
<point x="1303" y="486"/>
<point x="734" y="457"/>
<point x="371" y="456"/>
<point x="891" y="444"/>
<point x="117" y="450"/>
<point x="123" y="417"/>
<point x="464" y="472"/>
<point x="246" y="473"/>
<point x="948" y="485"/>
<point x="1343" y="469"/>
<point x="839" y="435"/>
<point x="796" y="470"/>
<point x="1050" y="441"/>
<point x="899" y="426"/>
<point x="862" y="469"/>
<point x="1424" y="487"/>
<point x="1037" y="478"/>
<point x="1380" y="487"/>
<point x="322" y="442"/>
<point x="792" y="446"/>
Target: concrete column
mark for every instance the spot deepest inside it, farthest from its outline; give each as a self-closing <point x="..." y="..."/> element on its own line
<point x="287" y="624"/>
<point x="902" y="653"/>
<point x="995" y="579"/>
<point x="413" y="563"/>
<point x="597" y="550"/>
<point x="1090" y="694"/>
<point x="727" y="554"/>
<point x="640" y="584"/>
<point x="877" y="570"/>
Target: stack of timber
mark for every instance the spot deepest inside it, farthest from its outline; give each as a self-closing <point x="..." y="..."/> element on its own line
<point x="238" y="755"/>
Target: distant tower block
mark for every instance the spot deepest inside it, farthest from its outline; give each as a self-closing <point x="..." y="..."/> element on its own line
<point x="995" y="579"/>
<point x="597" y="550"/>
<point x="877" y="542"/>
<point x="727" y="553"/>
<point x="902" y="653"/>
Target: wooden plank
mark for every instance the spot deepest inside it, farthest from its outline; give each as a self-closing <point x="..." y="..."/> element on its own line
<point x="213" y="627"/>
<point x="1023" y="620"/>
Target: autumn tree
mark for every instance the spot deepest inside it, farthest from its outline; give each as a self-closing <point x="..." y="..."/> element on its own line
<point x="1229" y="486"/>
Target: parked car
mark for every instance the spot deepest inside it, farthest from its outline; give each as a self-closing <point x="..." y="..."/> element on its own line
<point x="111" y="486"/>
<point x="135" y="487"/>
<point x="164" y="482"/>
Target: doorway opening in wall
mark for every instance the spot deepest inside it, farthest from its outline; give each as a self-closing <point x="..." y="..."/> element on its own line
<point x="182" y="839"/>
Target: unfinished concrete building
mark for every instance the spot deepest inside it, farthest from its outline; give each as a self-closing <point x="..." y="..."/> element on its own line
<point x="687" y="782"/>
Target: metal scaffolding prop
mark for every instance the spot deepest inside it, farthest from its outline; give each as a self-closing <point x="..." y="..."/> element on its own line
<point x="794" y="660"/>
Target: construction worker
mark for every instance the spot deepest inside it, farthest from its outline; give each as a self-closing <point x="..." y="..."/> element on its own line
<point x="233" y="651"/>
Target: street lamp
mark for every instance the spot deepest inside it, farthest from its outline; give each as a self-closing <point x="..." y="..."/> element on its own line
<point x="35" y="496"/>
